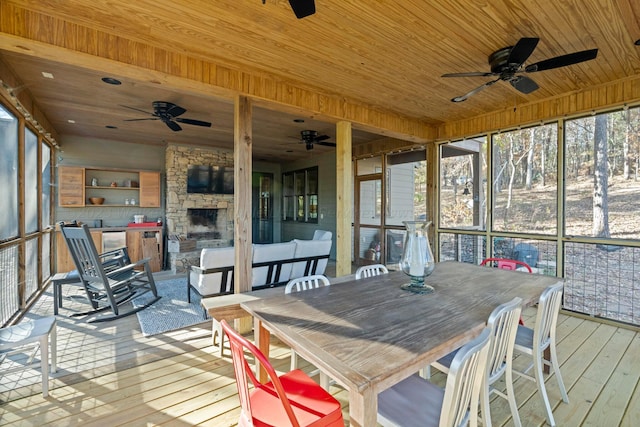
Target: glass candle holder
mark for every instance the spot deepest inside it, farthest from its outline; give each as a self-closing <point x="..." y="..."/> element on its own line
<point x="417" y="258"/>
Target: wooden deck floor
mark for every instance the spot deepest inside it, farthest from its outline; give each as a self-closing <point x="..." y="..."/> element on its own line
<point x="110" y="375"/>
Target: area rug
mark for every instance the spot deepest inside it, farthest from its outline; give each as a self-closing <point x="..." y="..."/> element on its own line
<point x="172" y="311"/>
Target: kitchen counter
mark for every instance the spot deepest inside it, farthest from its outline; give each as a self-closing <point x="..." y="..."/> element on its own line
<point x="141" y="242"/>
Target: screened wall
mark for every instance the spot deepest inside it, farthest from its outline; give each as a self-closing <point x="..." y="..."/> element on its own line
<point x="563" y="197"/>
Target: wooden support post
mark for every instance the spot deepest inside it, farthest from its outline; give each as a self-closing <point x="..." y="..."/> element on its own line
<point x="242" y="237"/>
<point x="344" y="195"/>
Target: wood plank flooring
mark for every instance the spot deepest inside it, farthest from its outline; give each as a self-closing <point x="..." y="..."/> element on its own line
<point x="111" y="375"/>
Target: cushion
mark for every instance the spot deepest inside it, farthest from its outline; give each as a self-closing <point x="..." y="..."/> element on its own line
<point x="208" y="284"/>
<point x="305" y="248"/>
<point x="272" y="252"/>
<point x="322" y="235"/>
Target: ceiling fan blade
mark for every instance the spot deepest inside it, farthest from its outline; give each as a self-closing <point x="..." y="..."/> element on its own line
<point x="522" y="50"/>
<point x="470" y="74"/>
<point x="137" y="120"/>
<point x="172" y="125"/>
<point x="137" y="109"/>
<point x="303" y="8"/>
<point x="321" y="138"/>
<point x="193" y="122"/>
<point x="175" y="110"/>
<point x="326" y="144"/>
<point x="563" y="60"/>
<point x="524" y="84"/>
<point x="474" y="91"/>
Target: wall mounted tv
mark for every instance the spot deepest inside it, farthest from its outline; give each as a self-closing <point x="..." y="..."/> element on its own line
<point x="206" y="179"/>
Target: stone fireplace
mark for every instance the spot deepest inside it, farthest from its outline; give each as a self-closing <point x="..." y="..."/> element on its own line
<point x="204" y="218"/>
<point x="205" y="223"/>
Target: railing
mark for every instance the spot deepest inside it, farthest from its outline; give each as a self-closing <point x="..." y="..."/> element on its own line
<point x="599" y="277"/>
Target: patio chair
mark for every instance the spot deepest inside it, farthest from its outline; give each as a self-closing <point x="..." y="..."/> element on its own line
<point x="416" y="402"/>
<point x="534" y="342"/>
<point x="370" y="270"/>
<point x="507" y="264"/>
<point x="290" y="399"/>
<point x="303" y="284"/>
<point x="503" y="322"/>
<point x="29" y="336"/>
<point x="108" y="283"/>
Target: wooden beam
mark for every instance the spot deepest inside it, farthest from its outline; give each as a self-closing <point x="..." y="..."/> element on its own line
<point x="608" y="95"/>
<point x="242" y="194"/>
<point x="344" y="201"/>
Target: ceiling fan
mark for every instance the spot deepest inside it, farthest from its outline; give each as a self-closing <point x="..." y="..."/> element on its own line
<point x="168" y="113"/>
<point x="302" y="8"/>
<point x="507" y="64"/>
<point x="310" y="137"/>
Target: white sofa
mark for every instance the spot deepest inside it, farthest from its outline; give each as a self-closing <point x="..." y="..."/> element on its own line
<point x="273" y="264"/>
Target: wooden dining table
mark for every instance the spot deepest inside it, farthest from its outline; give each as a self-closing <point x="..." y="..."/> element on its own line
<point x="369" y="334"/>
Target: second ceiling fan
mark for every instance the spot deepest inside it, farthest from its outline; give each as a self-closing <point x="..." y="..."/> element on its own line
<point x="507" y="64"/>
<point x="311" y="137"/>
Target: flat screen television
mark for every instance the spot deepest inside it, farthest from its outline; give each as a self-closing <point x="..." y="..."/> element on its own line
<point x="207" y="179"/>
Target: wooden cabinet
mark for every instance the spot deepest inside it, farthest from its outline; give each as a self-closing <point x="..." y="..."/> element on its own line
<point x="71" y="180"/>
<point x="64" y="261"/>
<point x="150" y="189"/>
<point x="118" y="187"/>
<point x="134" y="240"/>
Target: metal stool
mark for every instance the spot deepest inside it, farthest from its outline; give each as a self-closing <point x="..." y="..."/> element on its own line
<point x="31" y="335"/>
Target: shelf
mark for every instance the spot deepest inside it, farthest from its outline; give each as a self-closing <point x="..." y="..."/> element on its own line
<point x="110" y="205"/>
<point x="92" y="187"/>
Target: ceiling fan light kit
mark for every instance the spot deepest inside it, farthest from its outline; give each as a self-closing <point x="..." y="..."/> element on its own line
<point x="507" y="64"/>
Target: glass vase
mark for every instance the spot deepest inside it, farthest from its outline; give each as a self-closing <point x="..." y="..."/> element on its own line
<point x="417" y="259"/>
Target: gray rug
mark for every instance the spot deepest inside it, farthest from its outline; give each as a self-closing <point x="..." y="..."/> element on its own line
<point x="172" y="311"/>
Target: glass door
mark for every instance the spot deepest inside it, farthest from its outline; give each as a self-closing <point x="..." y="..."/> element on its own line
<point x="262" y="201"/>
<point x="368" y="244"/>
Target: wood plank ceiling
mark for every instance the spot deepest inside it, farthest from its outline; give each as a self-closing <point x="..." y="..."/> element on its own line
<point x="385" y="57"/>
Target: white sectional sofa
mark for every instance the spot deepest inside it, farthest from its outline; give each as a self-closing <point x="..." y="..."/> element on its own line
<point x="273" y="264"/>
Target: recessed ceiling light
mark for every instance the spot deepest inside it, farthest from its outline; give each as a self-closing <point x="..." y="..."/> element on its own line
<point x="47" y="75"/>
<point x="289" y="151"/>
<point x="71" y="121"/>
<point x="637" y="42"/>
<point x="298" y="120"/>
<point x="111" y="127"/>
<point x="111" y="81"/>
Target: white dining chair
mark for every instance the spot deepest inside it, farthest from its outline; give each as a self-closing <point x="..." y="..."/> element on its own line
<point x="303" y="284"/>
<point x="503" y="322"/>
<point x="370" y="271"/>
<point x="534" y="342"/>
<point x="416" y="402"/>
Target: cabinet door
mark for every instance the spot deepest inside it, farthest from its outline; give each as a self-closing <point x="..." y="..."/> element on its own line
<point x="64" y="261"/>
<point x="150" y="189"/>
<point x="71" y="186"/>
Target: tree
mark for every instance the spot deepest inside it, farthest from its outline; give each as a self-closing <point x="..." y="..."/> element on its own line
<point x="600" y="178"/>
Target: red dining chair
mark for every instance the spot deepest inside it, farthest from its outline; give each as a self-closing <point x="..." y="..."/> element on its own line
<point x="291" y="399"/>
<point x="507" y="264"/>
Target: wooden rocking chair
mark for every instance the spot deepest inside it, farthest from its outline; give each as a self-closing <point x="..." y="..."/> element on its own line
<point x="109" y="281"/>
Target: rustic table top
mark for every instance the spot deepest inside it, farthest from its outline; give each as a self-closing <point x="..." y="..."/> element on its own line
<point x="369" y="334"/>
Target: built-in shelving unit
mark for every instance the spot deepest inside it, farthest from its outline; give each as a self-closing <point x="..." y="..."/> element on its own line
<point x="119" y="187"/>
